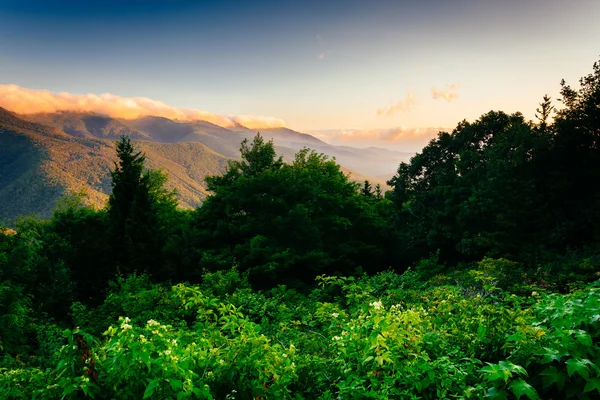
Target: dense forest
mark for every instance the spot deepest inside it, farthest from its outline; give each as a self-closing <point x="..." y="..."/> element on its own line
<point x="475" y="276"/>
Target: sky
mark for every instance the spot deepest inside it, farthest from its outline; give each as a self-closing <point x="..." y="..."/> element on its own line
<point x="368" y="72"/>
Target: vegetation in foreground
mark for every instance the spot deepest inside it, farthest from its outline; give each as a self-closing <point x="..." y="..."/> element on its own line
<point x="292" y="282"/>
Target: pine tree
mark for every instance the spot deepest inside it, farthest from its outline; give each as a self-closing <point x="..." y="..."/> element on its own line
<point x="543" y="113"/>
<point x="132" y="218"/>
<point x="367" y="189"/>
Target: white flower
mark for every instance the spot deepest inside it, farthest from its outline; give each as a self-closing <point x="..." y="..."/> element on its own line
<point x="376" y="305"/>
<point x="284" y="355"/>
<point x="126" y="327"/>
<point x="337" y="338"/>
<point x="174" y="341"/>
<point x="127" y="319"/>
<point x="167" y="352"/>
<point x="221" y="362"/>
<point x="335" y="315"/>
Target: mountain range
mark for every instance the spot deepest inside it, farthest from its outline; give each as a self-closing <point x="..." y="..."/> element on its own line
<point x="45" y="156"/>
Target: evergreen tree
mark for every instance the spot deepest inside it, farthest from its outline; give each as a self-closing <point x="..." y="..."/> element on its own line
<point x="543" y="113"/>
<point x="367" y="189"/>
<point x="135" y="207"/>
<point x="378" y="192"/>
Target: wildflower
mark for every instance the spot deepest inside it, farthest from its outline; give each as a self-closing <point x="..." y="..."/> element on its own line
<point x="284" y="355"/>
<point x="152" y="322"/>
<point x="376" y="305"/>
<point x="221" y="362"/>
<point x="127" y="319"/>
<point x="335" y="315"/>
<point x="126" y="327"/>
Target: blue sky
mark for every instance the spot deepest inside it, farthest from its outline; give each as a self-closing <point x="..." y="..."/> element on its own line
<point x="318" y="65"/>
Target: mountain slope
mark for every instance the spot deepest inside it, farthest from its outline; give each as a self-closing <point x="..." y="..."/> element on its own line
<point x="39" y="164"/>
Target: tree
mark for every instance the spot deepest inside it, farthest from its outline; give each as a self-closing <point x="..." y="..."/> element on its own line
<point x="576" y="159"/>
<point x="378" y="192"/>
<point x="543" y="113"/>
<point x="256" y="157"/>
<point x="473" y="192"/>
<point x="367" y="189"/>
<point x="136" y="206"/>
<point x="287" y="223"/>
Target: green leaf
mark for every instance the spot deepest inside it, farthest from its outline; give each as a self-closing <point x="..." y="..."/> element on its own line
<point x="181" y="395"/>
<point x="150" y="388"/>
<point x="176" y="384"/>
<point x="583" y="338"/>
<point x="591" y="385"/>
<point x="549" y="355"/>
<point x="496" y="394"/>
<point x="368" y="359"/>
<point x="496" y="372"/>
<point x="552" y="376"/>
<point x="519" y="387"/>
<point x="69" y="389"/>
<point x="579" y="366"/>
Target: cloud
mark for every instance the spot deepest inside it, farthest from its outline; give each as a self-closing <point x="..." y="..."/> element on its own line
<point x="407" y="138"/>
<point x="449" y="94"/>
<point x="26" y="101"/>
<point x="400" y="106"/>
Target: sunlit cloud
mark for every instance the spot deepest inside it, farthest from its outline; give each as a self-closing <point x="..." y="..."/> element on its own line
<point x="26" y="101"/>
<point x="400" y="106"/>
<point x="408" y="138"/>
<point x="449" y="94"/>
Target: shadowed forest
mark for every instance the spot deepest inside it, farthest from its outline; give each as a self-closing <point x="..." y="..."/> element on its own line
<point x="475" y="276"/>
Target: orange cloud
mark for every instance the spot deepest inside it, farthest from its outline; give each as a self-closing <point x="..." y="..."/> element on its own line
<point x="449" y="94"/>
<point x="414" y="138"/>
<point x="400" y="106"/>
<point x="27" y="101"/>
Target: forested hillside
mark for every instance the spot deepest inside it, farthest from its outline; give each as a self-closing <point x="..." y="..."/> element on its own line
<point x="475" y="276"/>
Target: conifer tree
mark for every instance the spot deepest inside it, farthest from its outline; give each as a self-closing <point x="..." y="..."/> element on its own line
<point x="132" y="218"/>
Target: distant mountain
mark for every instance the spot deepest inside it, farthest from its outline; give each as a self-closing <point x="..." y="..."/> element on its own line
<point x="86" y="126"/>
<point x="44" y="156"/>
<point x="371" y="161"/>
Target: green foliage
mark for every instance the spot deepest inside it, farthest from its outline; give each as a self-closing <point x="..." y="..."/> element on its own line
<point x="286" y="223"/>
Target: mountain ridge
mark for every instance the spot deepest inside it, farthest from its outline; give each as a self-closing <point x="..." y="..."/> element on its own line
<point x="45" y="156"/>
